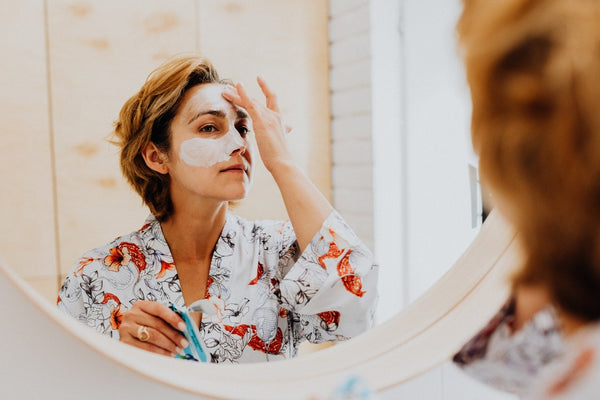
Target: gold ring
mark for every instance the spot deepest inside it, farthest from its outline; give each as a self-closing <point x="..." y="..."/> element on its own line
<point x="142" y="334"/>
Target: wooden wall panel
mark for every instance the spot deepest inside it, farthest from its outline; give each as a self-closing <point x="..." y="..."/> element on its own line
<point x="286" y="42"/>
<point x="27" y="241"/>
<point x="100" y="55"/>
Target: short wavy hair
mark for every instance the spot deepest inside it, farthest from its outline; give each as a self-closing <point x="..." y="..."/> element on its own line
<point x="146" y="117"/>
<point x="533" y="68"/>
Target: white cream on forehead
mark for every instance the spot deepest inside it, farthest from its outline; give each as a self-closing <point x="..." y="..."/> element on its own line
<point x="206" y="152"/>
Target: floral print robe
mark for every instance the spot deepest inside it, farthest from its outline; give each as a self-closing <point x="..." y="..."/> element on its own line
<point x="537" y="362"/>
<point x="512" y="362"/>
<point x="576" y="374"/>
<point x="268" y="296"/>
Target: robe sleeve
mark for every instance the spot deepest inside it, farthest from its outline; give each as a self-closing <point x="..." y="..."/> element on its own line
<point x="331" y="288"/>
<point x="83" y="297"/>
<point x="511" y="361"/>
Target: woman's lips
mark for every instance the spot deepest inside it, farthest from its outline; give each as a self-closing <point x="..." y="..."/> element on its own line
<point x="235" y="168"/>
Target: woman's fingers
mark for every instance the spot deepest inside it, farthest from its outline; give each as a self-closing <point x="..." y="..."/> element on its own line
<point x="163" y="312"/>
<point x="155" y="340"/>
<point x="176" y="341"/>
<point x="245" y="100"/>
<point x="231" y="94"/>
<point x="269" y="95"/>
<point x="240" y="96"/>
<point x="148" y="346"/>
<point x="152" y="326"/>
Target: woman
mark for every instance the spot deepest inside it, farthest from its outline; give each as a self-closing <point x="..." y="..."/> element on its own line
<point x="186" y="150"/>
<point x="533" y="68"/>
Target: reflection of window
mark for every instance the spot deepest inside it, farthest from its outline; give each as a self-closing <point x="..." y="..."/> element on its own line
<point x="482" y="201"/>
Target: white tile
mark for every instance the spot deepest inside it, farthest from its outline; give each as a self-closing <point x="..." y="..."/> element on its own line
<point x="350" y="75"/>
<point x="350" y="49"/>
<point x="352" y="176"/>
<point x="356" y="201"/>
<point x="353" y="101"/>
<point x="352" y="152"/>
<point x="357" y="126"/>
<point x="338" y="7"/>
<point x="350" y="23"/>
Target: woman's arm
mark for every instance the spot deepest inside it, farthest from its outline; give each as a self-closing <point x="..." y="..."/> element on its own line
<point x="306" y="206"/>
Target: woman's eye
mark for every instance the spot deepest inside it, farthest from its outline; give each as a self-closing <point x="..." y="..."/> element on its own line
<point x="243" y="130"/>
<point x="208" y="128"/>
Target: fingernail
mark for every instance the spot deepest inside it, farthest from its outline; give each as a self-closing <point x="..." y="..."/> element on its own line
<point x="184" y="343"/>
<point x="181" y="326"/>
<point x="178" y="350"/>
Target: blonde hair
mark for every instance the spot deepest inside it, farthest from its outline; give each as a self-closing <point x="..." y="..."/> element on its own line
<point x="533" y="67"/>
<point x="146" y="117"/>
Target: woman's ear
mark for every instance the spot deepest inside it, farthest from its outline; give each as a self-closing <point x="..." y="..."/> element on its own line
<point x="155" y="159"/>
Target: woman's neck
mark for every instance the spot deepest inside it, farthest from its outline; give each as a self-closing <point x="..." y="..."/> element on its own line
<point x="193" y="235"/>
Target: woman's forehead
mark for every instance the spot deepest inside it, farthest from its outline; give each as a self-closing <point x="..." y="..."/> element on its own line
<point x="207" y="97"/>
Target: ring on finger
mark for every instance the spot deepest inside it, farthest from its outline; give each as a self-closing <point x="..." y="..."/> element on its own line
<point x="142" y="333"/>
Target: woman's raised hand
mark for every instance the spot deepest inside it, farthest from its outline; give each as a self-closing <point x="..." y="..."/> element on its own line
<point x="152" y="326"/>
<point x="267" y="123"/>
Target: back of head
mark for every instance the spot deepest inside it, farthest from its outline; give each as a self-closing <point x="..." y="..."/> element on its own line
<point x="533" y="67"/>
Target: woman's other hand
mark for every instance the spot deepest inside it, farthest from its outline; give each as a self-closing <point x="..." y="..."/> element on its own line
<point x="267" y="123"/>
<point x="152" y="326"/>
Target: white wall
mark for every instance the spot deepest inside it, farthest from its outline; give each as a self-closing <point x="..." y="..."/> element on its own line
<point x="401" y="153"/>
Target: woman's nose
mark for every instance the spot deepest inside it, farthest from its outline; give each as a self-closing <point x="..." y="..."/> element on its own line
<point x="241" y="144"/>
<point x="241" y="149"/>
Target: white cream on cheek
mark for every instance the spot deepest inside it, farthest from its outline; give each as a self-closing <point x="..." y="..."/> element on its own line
<point x="205" y="152"/>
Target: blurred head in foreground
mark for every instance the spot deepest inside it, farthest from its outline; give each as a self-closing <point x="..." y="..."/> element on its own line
<point x="533" y="67"/>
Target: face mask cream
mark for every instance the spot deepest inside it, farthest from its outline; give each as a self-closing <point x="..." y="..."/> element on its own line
<point x="204" y="152"/>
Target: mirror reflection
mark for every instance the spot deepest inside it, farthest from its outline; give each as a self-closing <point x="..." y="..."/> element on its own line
<point x="408" y="196"/>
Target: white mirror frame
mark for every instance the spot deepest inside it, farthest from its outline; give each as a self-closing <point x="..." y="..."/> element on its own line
<point x="46" y="354"/>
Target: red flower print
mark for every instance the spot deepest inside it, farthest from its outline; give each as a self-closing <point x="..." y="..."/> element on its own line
<point x="274" y="347"/>
<point x="136" y="255"/>
<point x="580" y="366"/>
<point x="110" y="296"/>
<point x="82" y="264"/>
<point x="117" y="259"/>
<point x="330" y="320"/>
<point x="58" y="300"/>
<point x="283" y="313"/>
<point x="164" y="267"/>
<point x="208" y="283"/>
<point x="259" y="273"/>
<point x="330" y="317"/>
<point x="351" y="282"/>
<point x="334" y="252"/>
<point x="239" y="330"/>
<point x="144" y="227"/>
<point x="116" y="317"/>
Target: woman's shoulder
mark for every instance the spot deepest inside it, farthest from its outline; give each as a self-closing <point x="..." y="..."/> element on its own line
<point x="118" y="252"/>
<point x="576" y="374"/>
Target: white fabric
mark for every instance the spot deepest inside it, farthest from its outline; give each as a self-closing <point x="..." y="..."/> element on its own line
<point x="269" y="295"/>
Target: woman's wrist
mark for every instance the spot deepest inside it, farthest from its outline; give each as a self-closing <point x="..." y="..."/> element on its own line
<point x="282" y="168"/>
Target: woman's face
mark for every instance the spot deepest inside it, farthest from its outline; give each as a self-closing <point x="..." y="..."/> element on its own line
<point x="210" y="153"/>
